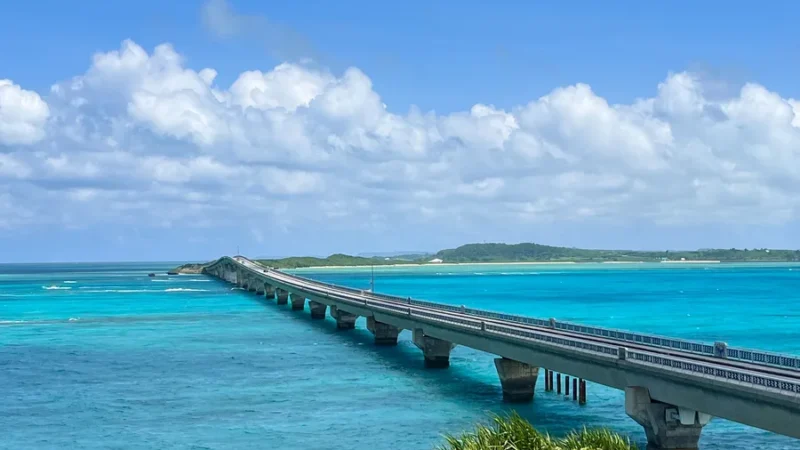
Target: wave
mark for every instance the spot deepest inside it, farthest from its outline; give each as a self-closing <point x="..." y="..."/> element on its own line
<point x="70" y="282"/>
<point x="121" y="291"/>
<point x="237" y="289"/>
<point x="136" y="291"/>
<point x="175" y="280"/>
<point x="177" y="317"/>
<point x="57" y="288"/>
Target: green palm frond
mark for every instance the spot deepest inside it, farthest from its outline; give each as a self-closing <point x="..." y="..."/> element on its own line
<point x="512" y="432"/>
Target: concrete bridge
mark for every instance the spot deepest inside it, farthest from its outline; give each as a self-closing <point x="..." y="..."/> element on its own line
<point x="673" y="387"/>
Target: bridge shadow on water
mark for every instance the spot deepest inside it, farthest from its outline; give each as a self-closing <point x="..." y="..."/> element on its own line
<point x="471" y="378"/>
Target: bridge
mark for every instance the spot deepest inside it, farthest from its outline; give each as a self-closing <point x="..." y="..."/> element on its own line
<point x="673" y="387"/>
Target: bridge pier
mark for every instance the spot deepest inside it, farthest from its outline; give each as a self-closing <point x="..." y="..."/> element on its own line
<point x="436" y="351"/>
<point x="230" y="276"/>
<point x="298" y="302"/>
<point x="666" y="426"/>
<point x="385" y="334"/>
<point x="344" y="319"/>
<point x="283" y="296"/>
<point x="317" y="309"/>
<point x="252" y="284"/>
<point x="517" y="379"/>
<point x="269" y="291"/>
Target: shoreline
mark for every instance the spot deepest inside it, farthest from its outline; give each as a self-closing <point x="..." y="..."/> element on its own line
<point x="513" y="263"/>
<point x="697" y="261"/>
<point x="520" y="263"/>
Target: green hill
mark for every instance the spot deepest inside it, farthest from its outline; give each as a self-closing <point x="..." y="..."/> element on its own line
<point x="536" y="252"/>
<point x="338" y="259"/>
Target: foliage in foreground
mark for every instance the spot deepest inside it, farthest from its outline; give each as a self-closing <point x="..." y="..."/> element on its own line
<point x="512" y="432"/>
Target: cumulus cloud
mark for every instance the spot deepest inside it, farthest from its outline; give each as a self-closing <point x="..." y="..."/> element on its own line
<point x="142" y="138"/>
<point x="22" y="115"/>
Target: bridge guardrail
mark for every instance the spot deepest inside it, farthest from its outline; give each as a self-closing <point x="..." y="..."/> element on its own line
<point x="763" y="381"/>
<point x="558" y="340"/>
<point x="734" y="353"/>
<point x="766" y="358"/>
<point x="472" y="324"/>
<point x="400" y="309"/>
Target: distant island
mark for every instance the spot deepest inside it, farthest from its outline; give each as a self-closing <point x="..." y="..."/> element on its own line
<point x="526" y="253"/>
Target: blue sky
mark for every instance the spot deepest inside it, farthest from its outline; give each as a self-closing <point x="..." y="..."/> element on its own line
<point x="380" y="126"/>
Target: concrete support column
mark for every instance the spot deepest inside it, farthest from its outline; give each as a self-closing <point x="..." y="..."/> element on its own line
<point x="298" y="302"/>
<point x="283" y="296"/>
<point x="269" y="291"/>
<point x="666" y="426"/>
<point x="259" y="287"/>
<point x="344" y="319"/>
<point x="317" y="309"/>
<point x="517" y="379"/>
<point x="385" y="334"/>
<point x="252" y="284"/>
<point x="241" y="281"/>
<point x="436" y="351"/>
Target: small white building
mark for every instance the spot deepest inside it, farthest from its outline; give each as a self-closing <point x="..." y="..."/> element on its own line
<point x="435" y="261"/>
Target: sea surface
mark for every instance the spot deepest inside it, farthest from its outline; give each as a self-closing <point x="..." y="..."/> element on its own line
<point x="100" y="356"/>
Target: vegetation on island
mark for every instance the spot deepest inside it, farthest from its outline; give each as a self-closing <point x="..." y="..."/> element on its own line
<point x="514" y="432"/>
<point x="338" y="259"/>
<point x="471" y="253"/>
<point x="525" y="252"/>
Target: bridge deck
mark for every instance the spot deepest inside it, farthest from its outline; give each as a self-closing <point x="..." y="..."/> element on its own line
<point x="321" y="288"/>
<point x="758" y="388"/>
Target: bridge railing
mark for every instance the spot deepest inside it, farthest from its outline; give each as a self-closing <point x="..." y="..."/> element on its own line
<point x="774" y="359"/>
<point x="727" y="373"/>
<point x="734" y="353"/>
<point x="558" y="340"/>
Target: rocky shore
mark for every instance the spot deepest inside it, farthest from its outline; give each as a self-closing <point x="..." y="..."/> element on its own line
<point x="188" y="269"/>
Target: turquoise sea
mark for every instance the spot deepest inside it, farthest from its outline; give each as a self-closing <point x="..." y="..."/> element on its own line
<point x="99" y="356"/>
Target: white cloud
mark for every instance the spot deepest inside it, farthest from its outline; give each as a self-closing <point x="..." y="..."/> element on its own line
<point x="142" y="138"/>
<point x="287" y="86"/>
<point x="12" y="167"/>
<point x="22" y="115"/>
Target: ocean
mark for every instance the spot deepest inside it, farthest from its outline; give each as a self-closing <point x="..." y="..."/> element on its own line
<point x="100" y="356"/>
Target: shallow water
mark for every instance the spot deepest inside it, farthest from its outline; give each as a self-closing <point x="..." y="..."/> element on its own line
<point x="101" y="356"/>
